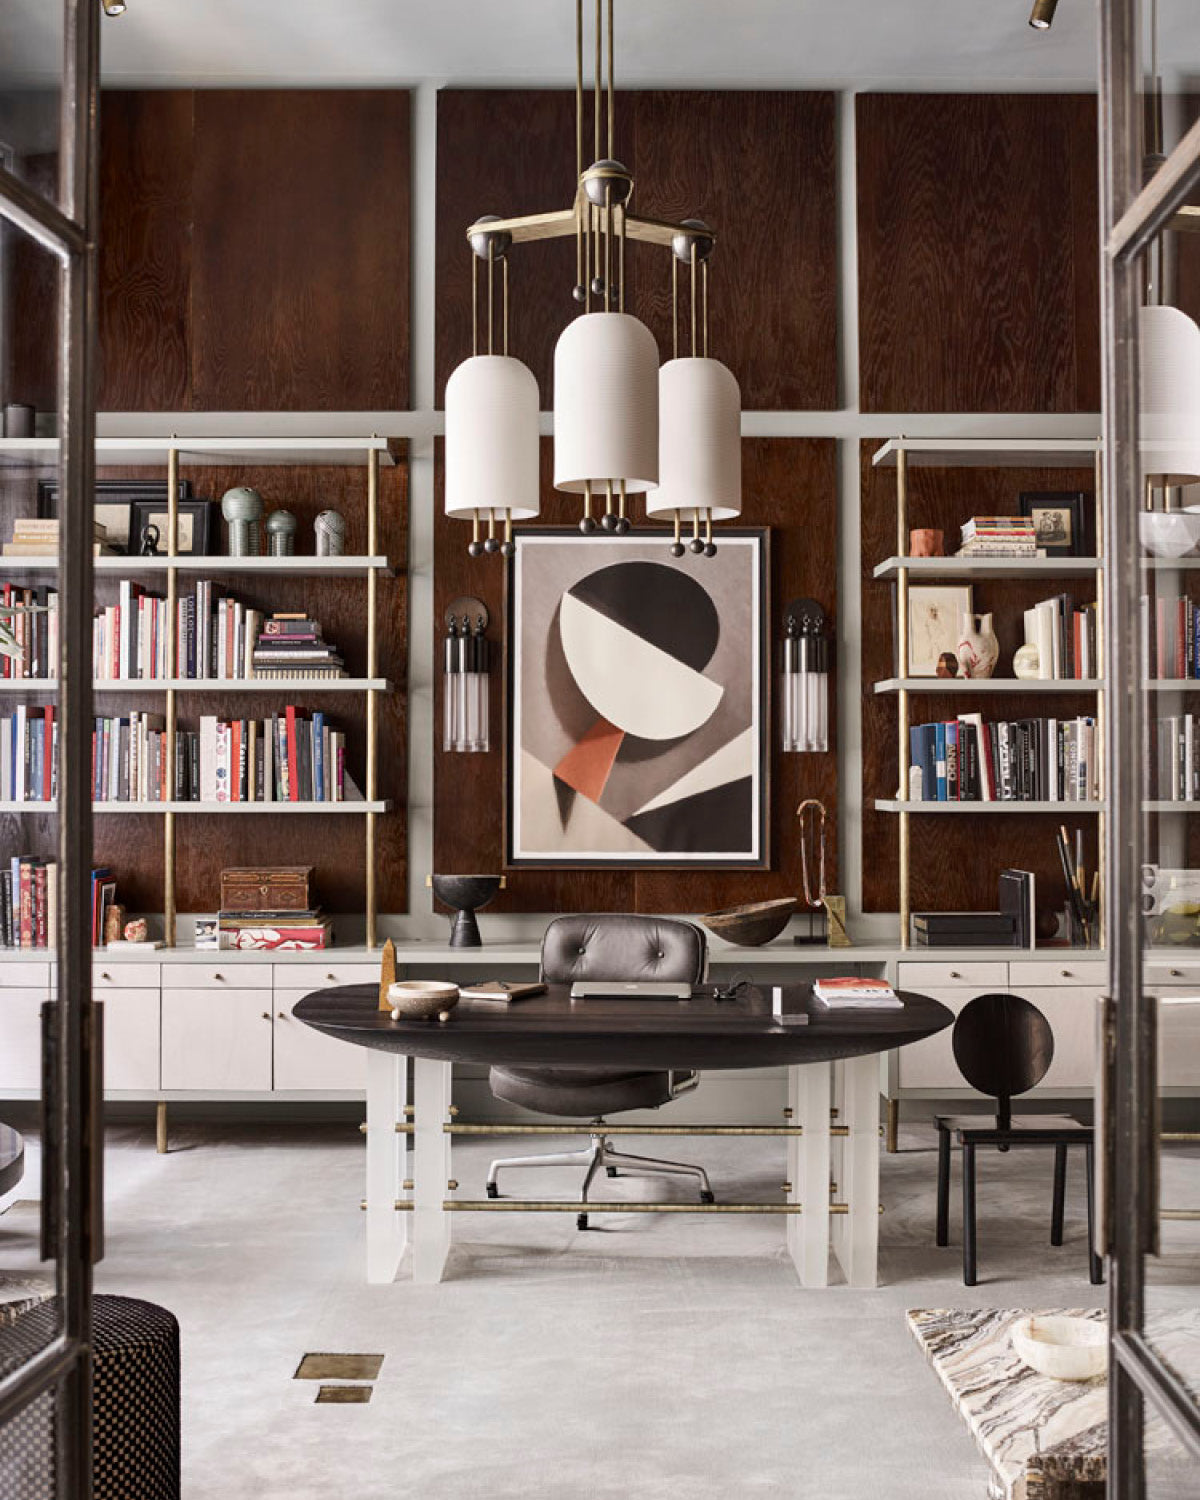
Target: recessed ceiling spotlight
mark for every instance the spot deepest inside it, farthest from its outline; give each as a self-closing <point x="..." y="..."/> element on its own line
<point x="113" y="7"/>
<point x="1042" y="16"/>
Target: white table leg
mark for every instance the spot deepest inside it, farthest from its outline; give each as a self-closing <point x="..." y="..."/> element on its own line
<point x="431" y="1169"/>
<point x="387" y="1155"/>
<point x="858" y="1252"/>
<point x="808" y="1172"/>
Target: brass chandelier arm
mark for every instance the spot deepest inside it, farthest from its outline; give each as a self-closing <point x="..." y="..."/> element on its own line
<point x="560" y="223"/>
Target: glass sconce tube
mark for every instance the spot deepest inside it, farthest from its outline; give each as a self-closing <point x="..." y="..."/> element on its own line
<point x="804" y="678"/>
<point x="466" y="670"/>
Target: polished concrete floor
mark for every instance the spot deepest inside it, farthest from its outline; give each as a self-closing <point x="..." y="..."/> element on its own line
<point x="648" y="1357"/>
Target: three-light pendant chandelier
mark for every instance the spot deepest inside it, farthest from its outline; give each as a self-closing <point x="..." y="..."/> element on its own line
<point x="622" y="425"/>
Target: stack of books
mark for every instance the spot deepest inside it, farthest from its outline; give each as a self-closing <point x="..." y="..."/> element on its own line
<point x="289" y="757"/>
<point x="1019" y="760"/>
<point x="129" y="638"/>
<point x="274" y="929"/>
<point x="855" y="993"/>
<point x="1065" y="638"/>
<point x="39" y="538"/>
<point x="29" y="754"/>
<point x="291" y="645"/>
<point x="32" y="616"/>
<point x="999" y="536"/>
<point x="28" y="902"/>
<point x="964" y="929"/>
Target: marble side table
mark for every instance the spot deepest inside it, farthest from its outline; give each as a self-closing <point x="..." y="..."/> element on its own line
<point x="1044" y="1439"/>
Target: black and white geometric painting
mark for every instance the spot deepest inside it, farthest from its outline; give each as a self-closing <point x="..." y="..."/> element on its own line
<point x="637" y="731"/>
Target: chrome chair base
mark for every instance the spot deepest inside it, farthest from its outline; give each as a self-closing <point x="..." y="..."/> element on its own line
<point x="602" y="1154"/>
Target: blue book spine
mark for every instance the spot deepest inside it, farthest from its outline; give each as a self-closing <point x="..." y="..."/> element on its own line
<point x="318" y="757"/>
<point x="943" y="791"/>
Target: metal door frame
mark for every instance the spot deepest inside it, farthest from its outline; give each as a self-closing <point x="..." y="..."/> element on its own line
<point x="1132" y="216"/>
<point x="72" y="1095"/>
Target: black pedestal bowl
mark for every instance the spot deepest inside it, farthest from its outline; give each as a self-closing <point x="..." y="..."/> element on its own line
<point x="465" y="894"/>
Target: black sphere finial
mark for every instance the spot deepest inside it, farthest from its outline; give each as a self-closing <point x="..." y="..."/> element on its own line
<point x="677" y="549"/>
<point x="475" y="549"/>
<point x="587" y="525"/>
<point x="491" y="546"/>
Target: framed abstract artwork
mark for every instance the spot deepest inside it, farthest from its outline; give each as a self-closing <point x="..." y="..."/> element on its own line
<point x="637" y="706"/>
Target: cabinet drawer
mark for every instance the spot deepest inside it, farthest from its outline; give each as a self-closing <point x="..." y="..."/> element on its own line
<point x="1178" y="1036"/>
<point x="136" y="976"/>
<point x="26" y="975"/>
<point x="1058" y="971"/>
<point x="1171" y="972"/>
<point x="217" y="976"/>
<point x="302" y="979"/>
<point x="980" y="976"/>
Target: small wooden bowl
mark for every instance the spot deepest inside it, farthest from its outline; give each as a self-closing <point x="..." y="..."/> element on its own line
<point x="751" y="925"/>
<point x="422" y="999"/>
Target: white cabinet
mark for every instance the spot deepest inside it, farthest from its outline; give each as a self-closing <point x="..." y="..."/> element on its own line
<point x="131" y="1038"/>
<point x="216" y="1040"/>
<point x="930" y="1064"/>
<point x="307" y="1059"/>
<point x="21" y="1038"/>
<point x="1178" y="1035"/>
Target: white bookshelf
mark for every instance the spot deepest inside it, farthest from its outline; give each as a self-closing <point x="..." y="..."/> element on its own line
<point x="950" y="568"/>
<point x="285" y="686"/>
<point x="989" y="453"/>
<point x="896" y="805"/>
<point x="219" y="451"/>
<point x="353" y="807"/>
<point x="139" y="567"/>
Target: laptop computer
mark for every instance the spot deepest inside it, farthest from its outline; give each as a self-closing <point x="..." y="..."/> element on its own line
<point x="636" y="989"/>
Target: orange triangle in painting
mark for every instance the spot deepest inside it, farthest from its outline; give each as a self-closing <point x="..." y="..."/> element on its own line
<point x="587" y="765"/>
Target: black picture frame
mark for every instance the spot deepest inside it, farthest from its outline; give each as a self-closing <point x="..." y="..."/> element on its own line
<point x="194" y="522"/>
<point x="114" y="500"/>
<point x="759" y="539"/>
<point x="1072" y="510"/>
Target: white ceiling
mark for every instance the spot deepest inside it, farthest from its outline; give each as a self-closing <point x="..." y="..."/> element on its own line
<point x="915" y="44"/>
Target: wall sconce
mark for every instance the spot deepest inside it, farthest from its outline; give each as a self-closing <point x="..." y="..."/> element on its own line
<point x="804" y="678"/>
<point x="465" y="677"/>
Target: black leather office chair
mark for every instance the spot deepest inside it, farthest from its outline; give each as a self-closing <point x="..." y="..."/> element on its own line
<point x="606" y="948"/>
<point x="1004" y="1046"/>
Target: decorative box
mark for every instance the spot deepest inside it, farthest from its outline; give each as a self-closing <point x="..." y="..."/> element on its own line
<point x="266" y="888"/>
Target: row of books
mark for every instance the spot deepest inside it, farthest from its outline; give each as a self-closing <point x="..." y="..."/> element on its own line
<point x="217" y="638"/>
<point x="289" y="757"/>
<point x="1011" y="926"/>
<point x="29" y="754"/>
<point x="1171" y="638"/>
<point x="1022" y="760"/>
<point x="32" y="616"/>
<point x="999" y="536"/>
<point x="1176" y="759"/>
<point x="29" y="902"/>
<point x="1065" y="638"/>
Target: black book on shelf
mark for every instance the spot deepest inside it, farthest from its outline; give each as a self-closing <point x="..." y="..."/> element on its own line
<point x="964" y="929"/>
<point x="1016" y="899"/>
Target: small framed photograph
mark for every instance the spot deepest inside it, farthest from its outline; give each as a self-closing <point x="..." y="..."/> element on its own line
<point x="114" y="502"/>
<point x="1059" y="521"/>
<point x="194" y="529"/>
<point x="935" y="612"/>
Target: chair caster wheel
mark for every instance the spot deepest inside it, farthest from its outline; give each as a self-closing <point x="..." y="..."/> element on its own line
<point x="707" y="1197"/>
<point x="493" y="1190"/>
<point x="581" y="1221"/>
<point x="612" y="1171"/>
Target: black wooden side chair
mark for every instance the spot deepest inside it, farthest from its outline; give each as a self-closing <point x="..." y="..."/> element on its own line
<point x="1004" y="1046"/>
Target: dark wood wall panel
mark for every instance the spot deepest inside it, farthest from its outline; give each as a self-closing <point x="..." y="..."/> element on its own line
<point x="977" y="252"/>
<point x="789" y="485"/>
<point x="300" y="250"/>
<point x="30" y="291"/>
<point x="758" y="166"/>
<point x="955" y="862"/>
<point x="145" y="250"/>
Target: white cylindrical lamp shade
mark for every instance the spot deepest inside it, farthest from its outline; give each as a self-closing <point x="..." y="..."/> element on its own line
<point x="605" y="405"/>
<point x="492" y="438"/>
<point x="1169" y="360"/>
<point x="699" y="440"/>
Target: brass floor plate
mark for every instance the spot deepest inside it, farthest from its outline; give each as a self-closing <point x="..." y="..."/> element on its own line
<point x="339" y="1367"/>
<point x="343" y="1395"/>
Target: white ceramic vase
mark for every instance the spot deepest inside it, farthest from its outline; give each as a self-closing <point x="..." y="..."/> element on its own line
<point x="978" y="648"/>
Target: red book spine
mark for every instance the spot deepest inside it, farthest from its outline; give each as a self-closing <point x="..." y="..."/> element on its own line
<point x="26" y="896"/>
<point x="1180" y="638"/>
<point x="8" y="671"/>
<point x="293" y="780"/>
<point x="235" y="762"/>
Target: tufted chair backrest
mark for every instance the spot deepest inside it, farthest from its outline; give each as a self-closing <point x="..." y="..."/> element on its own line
<point x="623" y="947"/>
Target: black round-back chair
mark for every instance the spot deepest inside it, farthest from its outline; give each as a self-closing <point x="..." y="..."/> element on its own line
<point x="1004" y="1046"/>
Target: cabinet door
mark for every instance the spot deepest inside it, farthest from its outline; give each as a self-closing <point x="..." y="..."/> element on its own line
<point x="1178" y="1035"/>
<point x="21" y="1038"/>
<point x="1071" y="1011"/>
<point x="216" y="1040"/>
<point x="131" y="1038"/>
<point x="307" y="1059"/>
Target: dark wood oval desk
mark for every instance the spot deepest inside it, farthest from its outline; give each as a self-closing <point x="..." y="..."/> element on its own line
<point x="701" y="1033"/>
